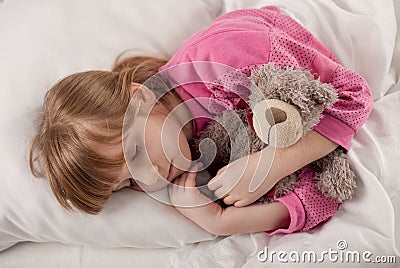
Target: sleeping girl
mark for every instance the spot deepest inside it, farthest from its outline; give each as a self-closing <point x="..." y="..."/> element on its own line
<point x="83" y="150"/>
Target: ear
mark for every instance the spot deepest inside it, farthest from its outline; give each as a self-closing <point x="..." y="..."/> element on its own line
<point x="142" y="93"/>
<point x="325" y="95"/>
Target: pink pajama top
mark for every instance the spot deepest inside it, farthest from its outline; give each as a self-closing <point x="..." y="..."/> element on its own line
<point x="246" y="39"/>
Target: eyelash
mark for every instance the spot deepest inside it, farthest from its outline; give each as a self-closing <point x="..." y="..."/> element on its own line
<point x="131" y="183"/>
<point x="137" y="151"/>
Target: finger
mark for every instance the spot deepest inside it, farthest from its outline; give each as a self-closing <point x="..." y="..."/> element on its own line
<point x="241" y="203"/>
<point x="196" y="167"/>
<point x="220" y="193"/>
<point x="229" y="200"/>
<point x="182" y="178"/>
<point x="191" y="180"/>
<point x="222" y="170"/>
<point x="214" y="184"/>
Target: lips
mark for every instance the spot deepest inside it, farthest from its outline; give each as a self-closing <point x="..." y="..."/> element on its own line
<point x="169" y="173"/>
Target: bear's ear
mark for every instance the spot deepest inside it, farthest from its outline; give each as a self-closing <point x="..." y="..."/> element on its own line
<point x="325" y="95"/>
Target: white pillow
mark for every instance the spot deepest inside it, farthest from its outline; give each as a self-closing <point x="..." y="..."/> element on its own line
<point x="361" y="34"/>
<point x="43" y="41"/>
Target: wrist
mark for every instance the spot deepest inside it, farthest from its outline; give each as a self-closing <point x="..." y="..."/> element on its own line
<point x="273" y="161"/>
<point x="310" y="148"/>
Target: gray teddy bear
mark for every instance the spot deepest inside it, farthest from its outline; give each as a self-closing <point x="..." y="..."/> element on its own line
<point x="285" y="103"/>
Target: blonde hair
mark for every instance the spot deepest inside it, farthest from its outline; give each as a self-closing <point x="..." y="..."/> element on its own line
<point x="80" y="112"/>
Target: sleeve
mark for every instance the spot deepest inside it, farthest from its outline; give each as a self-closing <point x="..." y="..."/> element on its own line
<point x="343" y="120"/>
<point x="307" y="206"/>
<point x="296" y="212"/>
<point x="300" y="49"/>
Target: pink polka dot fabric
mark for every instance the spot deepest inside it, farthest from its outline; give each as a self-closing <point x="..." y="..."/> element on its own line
<point x="307" y="206"/>
<point x="246" y="39"/>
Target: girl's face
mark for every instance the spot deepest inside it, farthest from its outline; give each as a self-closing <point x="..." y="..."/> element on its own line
<point x="156" y="151"/>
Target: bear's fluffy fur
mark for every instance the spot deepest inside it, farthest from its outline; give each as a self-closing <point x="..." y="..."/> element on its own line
<point x="233" y="137"/>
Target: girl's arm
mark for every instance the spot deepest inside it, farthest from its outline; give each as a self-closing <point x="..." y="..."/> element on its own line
<point x="251" y="219"/>
<point x="267" y="167"/>
<point x="189" y="201"/>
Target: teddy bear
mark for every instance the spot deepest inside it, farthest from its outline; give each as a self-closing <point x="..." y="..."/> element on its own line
<point x="284" y="104"/>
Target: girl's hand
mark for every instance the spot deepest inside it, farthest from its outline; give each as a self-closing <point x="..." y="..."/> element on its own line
<point x="184" y="193"/>
<point x="245" y="180"/>
<point x="194" y="205"/>
<point x="237" y="186"/>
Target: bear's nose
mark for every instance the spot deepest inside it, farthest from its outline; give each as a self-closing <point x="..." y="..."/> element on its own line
<point x="275" y="115"/>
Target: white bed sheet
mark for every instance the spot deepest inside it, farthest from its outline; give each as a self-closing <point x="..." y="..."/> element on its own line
<point x="50" y="255"/>
<point x="369" y="222"/>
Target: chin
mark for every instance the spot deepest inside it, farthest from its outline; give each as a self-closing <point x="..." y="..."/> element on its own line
<point x="156" y="187"/>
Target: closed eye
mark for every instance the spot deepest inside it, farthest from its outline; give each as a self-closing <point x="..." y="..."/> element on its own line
<point x="134" y="185"/>
<point x="137" y="151"/>
<point x="131" y="183"/>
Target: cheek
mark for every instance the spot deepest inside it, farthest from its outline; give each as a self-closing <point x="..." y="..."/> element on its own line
<point x="182" y="158"/>
<point x="167" y="144"/>
<point x="153" y="144"/>
<point x="184" y="147"/>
